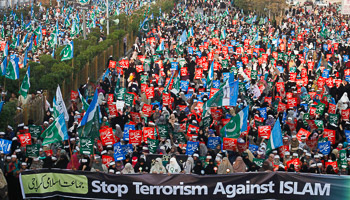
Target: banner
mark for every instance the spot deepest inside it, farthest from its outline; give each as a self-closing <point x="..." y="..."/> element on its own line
<point x="46" y="183"/>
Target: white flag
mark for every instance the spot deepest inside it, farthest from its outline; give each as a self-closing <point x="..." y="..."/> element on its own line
<point x="61" y="107"/>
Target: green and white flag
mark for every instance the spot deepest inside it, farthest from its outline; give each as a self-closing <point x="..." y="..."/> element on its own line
<point x="67" y="52"/>
<point x="86" y="146"/>
<point x="152" y="145"/>
<point x="56" y="132"/>
<point x="85" y="103"/>
<point x="90" y="124"/>
<point x="32" y="150"/>
<point x="25" y="84"/>
<point x="236" y="125"/>
<point x="12" y="70"/>
<point x="275" y="140"/>
<point x="145" y="25"/>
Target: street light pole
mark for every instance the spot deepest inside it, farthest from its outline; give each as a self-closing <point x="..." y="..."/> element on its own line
<point x="107" y="18"/>
<point x="84" y="24"/>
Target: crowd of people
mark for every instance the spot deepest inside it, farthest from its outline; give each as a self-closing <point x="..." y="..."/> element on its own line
<point x="293" y="73"/>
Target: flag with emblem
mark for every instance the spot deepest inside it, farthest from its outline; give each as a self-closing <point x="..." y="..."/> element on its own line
<point x="89" y="125"/>
<point x="275" y="140"/>
<point x="236" y="125"/>
<point x="25" y="84"/>
<point x="12" y="70"/>
<point x="67" y="52"/>
<point x="56" y="132"/>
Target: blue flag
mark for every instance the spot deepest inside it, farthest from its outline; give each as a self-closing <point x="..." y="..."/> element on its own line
<point x="1" y="105"/>
<point x="324" y="147"/>
<point x="183" y="37"/>
<point x="191" y="147"/>
<point x="347" y="134"/>
<point x="5" y="146"/>
<point x="275" y="140"/>
<point x="213" y="142"/>
<point x="118" y="152"/>
<point x="263" y="112"/>
<point x="184" y="85"/>
<point x="253" y="148"/>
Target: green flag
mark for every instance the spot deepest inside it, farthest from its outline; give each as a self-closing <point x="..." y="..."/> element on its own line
<point x="232" y="129"/>
<point x="163" y="131"/>
<point x="152" y="145"/>
<point x="25" y="84"/>
<point x="129" y="99"/>
<point x="67" y="52"/>
<point x="85" y="103"/>
<point x="56" y="132"/>
<point x="258" y="162"/>
<point x="32" y="151"/>
<point x="34" y="131"/>
<point x="86" y="146"/>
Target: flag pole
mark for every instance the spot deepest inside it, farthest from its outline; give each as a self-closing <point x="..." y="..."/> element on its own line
<point x="70" y="151"/>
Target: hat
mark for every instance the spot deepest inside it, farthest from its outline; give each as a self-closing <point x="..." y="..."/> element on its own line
<point x="83" y="160"/>
<point x="13" y="156"/>
<point x="20" y="125"/>
<point x="303" y="137"/>
<point x="14" y="138"/>
<point x="112" y="163"/>
<point x="2" y="133"/>
<point x="316" y="156"/>
<point x="274" y="151"/>
<point x="287" y="153"/>
<point x="277" y="157"/>
<point x="103" y="152"/>
<point x="294" y="136"/>
<point x="319" y="164"/>
<point x="53" y="158"/>
<point x="18" y="150"/>
<point x="24" y="164"/>
<point x="308" y="154"/>
<point x="340" y="144"/>
<point x="285" y="138"/>
<point x="195" y="155"/>
<point x="35" y="159"/>
<point x="145" y="148"/>
<point x="46" y="122"/>
<point x="9" y="127"/>
<point x="295" y="154"/>
<point x="111" y="171"/>
<point x="313" y="165"/>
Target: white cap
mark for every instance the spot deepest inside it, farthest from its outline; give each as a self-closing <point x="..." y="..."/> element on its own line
<point x="103" y="152"/>
<point x="35" y="159"/>
<point x="287" y="153"/>
<point x="112" y="163"/>
<point x="295" y="154"/>
<point x="111" y="171"/>
<point x="18" y="150"/>
<point x="53" y="158"/>
<point x="72" y="139"/>
<point x="24" y="164"/>
<point x="14" y="138"/>
<point x="13" y="156"/>
<point x="277" y="157"/>
<point x="319" y="164"/>
<point x="308" y="154"/>
<point x="195" y="155"/>
<point x="84" y="160"/>
<point x="274" y="151"/>
<point x="313" y="165"/>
